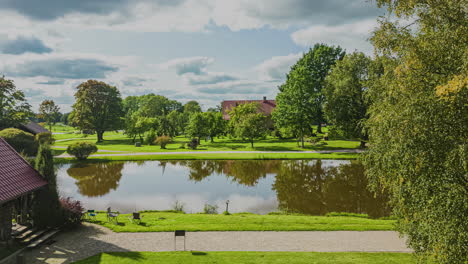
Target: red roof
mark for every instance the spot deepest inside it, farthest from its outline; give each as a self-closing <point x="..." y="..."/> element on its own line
<point x="17" y="177"/>
<point x="266" y="106"/>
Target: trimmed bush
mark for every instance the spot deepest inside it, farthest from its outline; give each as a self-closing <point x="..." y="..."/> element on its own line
<point x="150" y="137"/>
<point x="81" y="150"/>
<point x="21" y="141"/>
<point x="163" y="141"/>
<point x="45" y="138"/>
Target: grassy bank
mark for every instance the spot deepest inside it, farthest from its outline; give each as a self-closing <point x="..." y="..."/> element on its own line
<point x="168" y="221"/>
<point x="250" y="258"/>
<point x="220" y="156"/>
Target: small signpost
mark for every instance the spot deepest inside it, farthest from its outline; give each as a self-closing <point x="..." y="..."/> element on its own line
<point x="178" y="233"/>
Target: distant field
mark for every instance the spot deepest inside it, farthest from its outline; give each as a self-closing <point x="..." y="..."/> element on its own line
<point x="250" y="258"/>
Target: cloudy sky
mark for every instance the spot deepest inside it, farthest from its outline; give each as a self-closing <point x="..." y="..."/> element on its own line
<point x="207" y="50"/>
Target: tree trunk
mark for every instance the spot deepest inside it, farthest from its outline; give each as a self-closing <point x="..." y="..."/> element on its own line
<point x="363" y="144"/>
<point x="319" y="128"/>
<point x="212" y="139"/>
<point x="302" y="138"/>
<point x="251" y="143"/>
<point x="100" y="135"/>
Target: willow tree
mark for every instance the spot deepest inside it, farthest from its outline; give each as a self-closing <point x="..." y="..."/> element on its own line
<point x="98" y="107"/>
<point x="418" y="124"/>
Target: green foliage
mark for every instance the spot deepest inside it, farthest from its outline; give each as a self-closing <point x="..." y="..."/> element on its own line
<point x="210" y="209"/>
<point x="418" y="124"/>
<point x="21" y="141"/>
<point x="345" y="89"/>
<point x="192" y="107"/>
<point x="150" y="137"/>
<point x="45" y="138"/>
<point x="300" y="99"/>
<point x="215" y="124"/>
<point x="197" y="126"/>
<point x="47" y="209"/>
<point x="163" y="141"/>
<point x="193" y="144"/>
<point x="14" y="110"/>
<point x="81" y="150"/>
<point x="246" y="122"/>
<point x="98" y="107"/>
<point x="49" y="111"/>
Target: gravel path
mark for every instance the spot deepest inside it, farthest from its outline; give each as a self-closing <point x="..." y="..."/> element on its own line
<point x="64" y="155"/>
<point x="92" y="239"/>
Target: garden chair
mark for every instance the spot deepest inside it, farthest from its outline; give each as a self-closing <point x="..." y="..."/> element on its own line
<point x="112" y="216"/>
<point x="135" y="218"/>
<point x="91" y="215"/>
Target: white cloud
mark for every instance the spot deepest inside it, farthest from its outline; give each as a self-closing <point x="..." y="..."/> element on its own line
<point x="349" y="36"/>
<point x="277" y="67"/>
<point x="195" y="65"/>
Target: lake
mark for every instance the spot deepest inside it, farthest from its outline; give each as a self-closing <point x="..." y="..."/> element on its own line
<point x="313" y="187"/>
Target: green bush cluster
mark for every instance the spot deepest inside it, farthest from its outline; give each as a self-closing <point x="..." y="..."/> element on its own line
<point x="81" y="150"/>
<point x="21" y="141"/>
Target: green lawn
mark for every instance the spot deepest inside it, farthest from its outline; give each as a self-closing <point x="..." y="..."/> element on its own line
<point x="250" y="258"/>
<point x="168" y="221"/>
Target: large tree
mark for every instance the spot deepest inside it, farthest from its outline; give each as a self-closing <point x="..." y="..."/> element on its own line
<point x="197" y="126"/>
<point x="300" y="98"/>
<point x="418" y="124"/>
<point x="215" y="123"/>
<point x="192" y="107"/>
<point x="14" y="108"/>
<point x="247" y="123"/>
<point x="98" y="107"/>
<point x="49" y="111"/>
<point x="345" y="92"/>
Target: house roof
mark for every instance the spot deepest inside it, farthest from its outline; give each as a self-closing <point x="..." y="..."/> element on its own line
<point x="266" y="106"/>
<point x="33" y="128"/>
<point x="17" y="177"/>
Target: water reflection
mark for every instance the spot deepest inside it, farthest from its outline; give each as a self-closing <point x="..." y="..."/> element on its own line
<point x="259" y="186"/>
<point x="96" y="179"/>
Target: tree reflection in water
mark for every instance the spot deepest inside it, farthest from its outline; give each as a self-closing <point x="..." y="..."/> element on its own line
<point x="96" y="179"/>
<point x="309" y="187"/>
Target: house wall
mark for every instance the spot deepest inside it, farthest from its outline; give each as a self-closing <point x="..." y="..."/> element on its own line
<point x="6" y="211"/>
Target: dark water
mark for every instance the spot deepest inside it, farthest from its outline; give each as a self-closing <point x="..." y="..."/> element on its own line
<point x="258" y="186"/>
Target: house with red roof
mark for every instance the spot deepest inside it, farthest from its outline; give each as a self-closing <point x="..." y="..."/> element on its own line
<point x="18" y="180"/>
<point x="265" y="106"/>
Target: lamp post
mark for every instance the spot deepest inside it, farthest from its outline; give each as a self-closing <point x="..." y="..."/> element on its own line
<point x="227" y="206"/>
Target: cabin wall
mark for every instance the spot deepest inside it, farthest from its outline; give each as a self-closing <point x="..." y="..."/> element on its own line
<point x="6" y="211"/>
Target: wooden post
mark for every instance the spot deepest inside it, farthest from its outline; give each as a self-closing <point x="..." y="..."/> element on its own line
<point x="5" y="221"/>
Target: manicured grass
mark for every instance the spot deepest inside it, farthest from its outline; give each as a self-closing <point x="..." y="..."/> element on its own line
<point x="250" y="258"/>
<point x="168" y="221"/>
<point x="118" y="141"/>
<point x="220" y="156"/>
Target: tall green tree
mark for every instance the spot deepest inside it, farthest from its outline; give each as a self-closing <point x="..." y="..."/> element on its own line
<point x="47" y="210"/>
<point x="345" y="92"/>
<point x="418" y="124"/>
<point x="215" y="123"/>
<point x="300" y="99"/>
<point x="98" y="106"/>
<point x="49" y="111"/>
<point x="247" y="123"/>
<point x="192" y="107"/>
<point x="197" y="126"/>
<point x="14" y="108"/>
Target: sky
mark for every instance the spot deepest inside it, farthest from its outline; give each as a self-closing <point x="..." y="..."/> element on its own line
<point x="204" y="50"/>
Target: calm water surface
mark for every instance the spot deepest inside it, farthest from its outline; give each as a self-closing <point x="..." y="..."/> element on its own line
<point x="258" y="186"/>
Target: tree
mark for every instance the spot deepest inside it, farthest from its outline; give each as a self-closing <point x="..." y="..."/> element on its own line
<point x="417" y="125"/>
<point x="192" y="107"/>
<point x="246" y="122"/>
<point x="49" y="111"/>
<point x="197" y="126"/>
<point x="346" y="104"/>
<point x="215" y="124"/>
<point x="81" y="150"/>
<point x="300" y="98"/>
<point x="14" y="109"/>
<point x="47" y="209"/>
<point x="98" y="107"/>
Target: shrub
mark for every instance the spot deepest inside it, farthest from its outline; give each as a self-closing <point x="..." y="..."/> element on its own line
<point x="72" y="212"/>
<point x="163" y="141"/>
<point x="81" y="150"/>
<point x="21" y="141"/>
<point x="193" y="144"/>
<point x="178" y="206"/>
<point x="182" y="145"/>
<point x="210" y="209"/>
<point x="45" y="138"/>
<point x="150" y="137"/>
